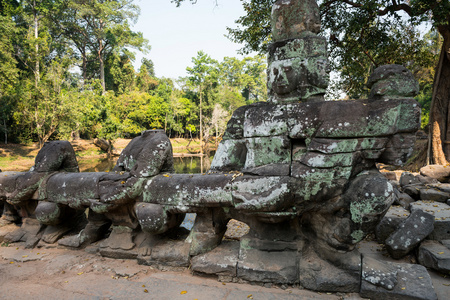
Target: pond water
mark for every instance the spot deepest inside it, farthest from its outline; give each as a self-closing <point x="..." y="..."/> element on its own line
<point x="182" y="165"/>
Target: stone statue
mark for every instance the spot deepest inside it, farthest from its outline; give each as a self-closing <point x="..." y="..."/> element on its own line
<point x="300" y="171"/>
<point x="298" y="65"/>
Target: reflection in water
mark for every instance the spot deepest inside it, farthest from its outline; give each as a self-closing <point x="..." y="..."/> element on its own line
<point x="182" y="165"/>
<point x="96" y="165"/>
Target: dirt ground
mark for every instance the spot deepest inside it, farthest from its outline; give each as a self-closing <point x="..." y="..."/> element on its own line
<point x="53" y="272"/>
<point x="56" y="273"/>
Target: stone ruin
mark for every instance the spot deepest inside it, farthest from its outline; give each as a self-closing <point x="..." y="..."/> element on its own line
<point x="300" y="171"/>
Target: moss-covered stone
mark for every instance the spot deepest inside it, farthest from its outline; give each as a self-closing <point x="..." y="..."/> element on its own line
<point x="267" y="150"/>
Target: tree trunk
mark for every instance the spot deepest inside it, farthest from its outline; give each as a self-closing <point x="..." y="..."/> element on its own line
<point x="36" y="36"/>
<point x="201" y="121"/>
<point x="6" y="131"/>
<point x="102" y="70"/>
<point x="439" y="138"/>
<point x="84" y="66"/>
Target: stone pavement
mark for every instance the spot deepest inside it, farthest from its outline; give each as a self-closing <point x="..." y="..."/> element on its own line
<point x="55" y="273"/>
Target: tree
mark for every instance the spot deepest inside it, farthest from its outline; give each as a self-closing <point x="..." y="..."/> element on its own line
<point x="148" y="63"/>
<point x="45" y="107"/>
<point x="202" y="75"/>
<point x="9" y="73"/>
<point x="372" y="22"/>
<point x="119" y="72"/>
<point x="98" y="28"/>
<point x="255" y="29"/>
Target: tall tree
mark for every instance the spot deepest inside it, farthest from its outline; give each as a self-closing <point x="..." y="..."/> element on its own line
<point x="98" y="28"/>
<point x="201" y="75"/>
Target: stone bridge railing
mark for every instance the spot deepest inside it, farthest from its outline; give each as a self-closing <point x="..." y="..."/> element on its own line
<point x="300" y="171"/>
<point x="302" y="175"/>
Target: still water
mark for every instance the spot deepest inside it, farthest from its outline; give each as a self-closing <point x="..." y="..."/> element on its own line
<point x="182" y="165"/>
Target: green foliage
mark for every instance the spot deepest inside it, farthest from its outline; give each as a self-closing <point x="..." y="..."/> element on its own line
<point x="119" y="72"/>
<point x="44" y="97"/>
<point x="254" y="28"/>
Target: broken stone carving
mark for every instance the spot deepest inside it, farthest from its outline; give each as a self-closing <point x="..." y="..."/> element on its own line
<point x="298" y="64"/>
<point x="298" y="170"/>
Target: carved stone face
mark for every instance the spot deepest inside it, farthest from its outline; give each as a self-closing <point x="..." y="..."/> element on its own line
<point x="284" y="76"/>
<point x="297" y="79"/>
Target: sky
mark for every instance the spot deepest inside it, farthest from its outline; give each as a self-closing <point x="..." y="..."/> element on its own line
<point x="176" y="34"/>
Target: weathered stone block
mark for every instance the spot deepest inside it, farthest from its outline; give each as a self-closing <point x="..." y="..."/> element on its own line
<point x="410" y="233"/>
<point x="267" y="150"/>
<point x="207" y="190"/>
<point x="303" y="119"/>
<point x="444" y="187"/>
<point x="350" y="119"/>
<point x="220" y="261"/>
<point x="265" y="119"/>
<point x="434" y="255"/>
<point x="317" y="184"/>
<point x="413" y="282"/>
<point x="73" y="189"/>
<point x="291" y="19"/>
<point x="346" y="145"/>
<point x="441" y="213"/>
<point x="408" y="178"/>
<point x="403" y="199"/>
<point x="446" y="243"/>
<point x="319" y="160"/>
<point x="270" y="170"/>
<point x="322" y="276"/>
<point x="433" y="194"/>
<point x="439" y="172"/>
<point x="235" y="126"/>
<point x="398" y="149"/>
<point x="413" y="190"/>
<point x="276" y="243"/>
<point x="230" y="155"/>
<point x="379" y="273"/>
<point x="409" y="117"/>
<point x="263" y="266"/>
<point x="254" y="193"/>
<point x="171" y="253"/>
<point x="392" y="81"/>
<point x="395" y="216"/>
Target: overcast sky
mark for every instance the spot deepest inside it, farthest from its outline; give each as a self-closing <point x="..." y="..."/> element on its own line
<point x="176" y="34"/>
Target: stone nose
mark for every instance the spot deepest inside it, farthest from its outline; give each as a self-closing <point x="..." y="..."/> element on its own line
<point x="281" y="78"/>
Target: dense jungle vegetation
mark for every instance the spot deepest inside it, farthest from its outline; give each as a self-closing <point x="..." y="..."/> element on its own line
<point x="66" y="71"/>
